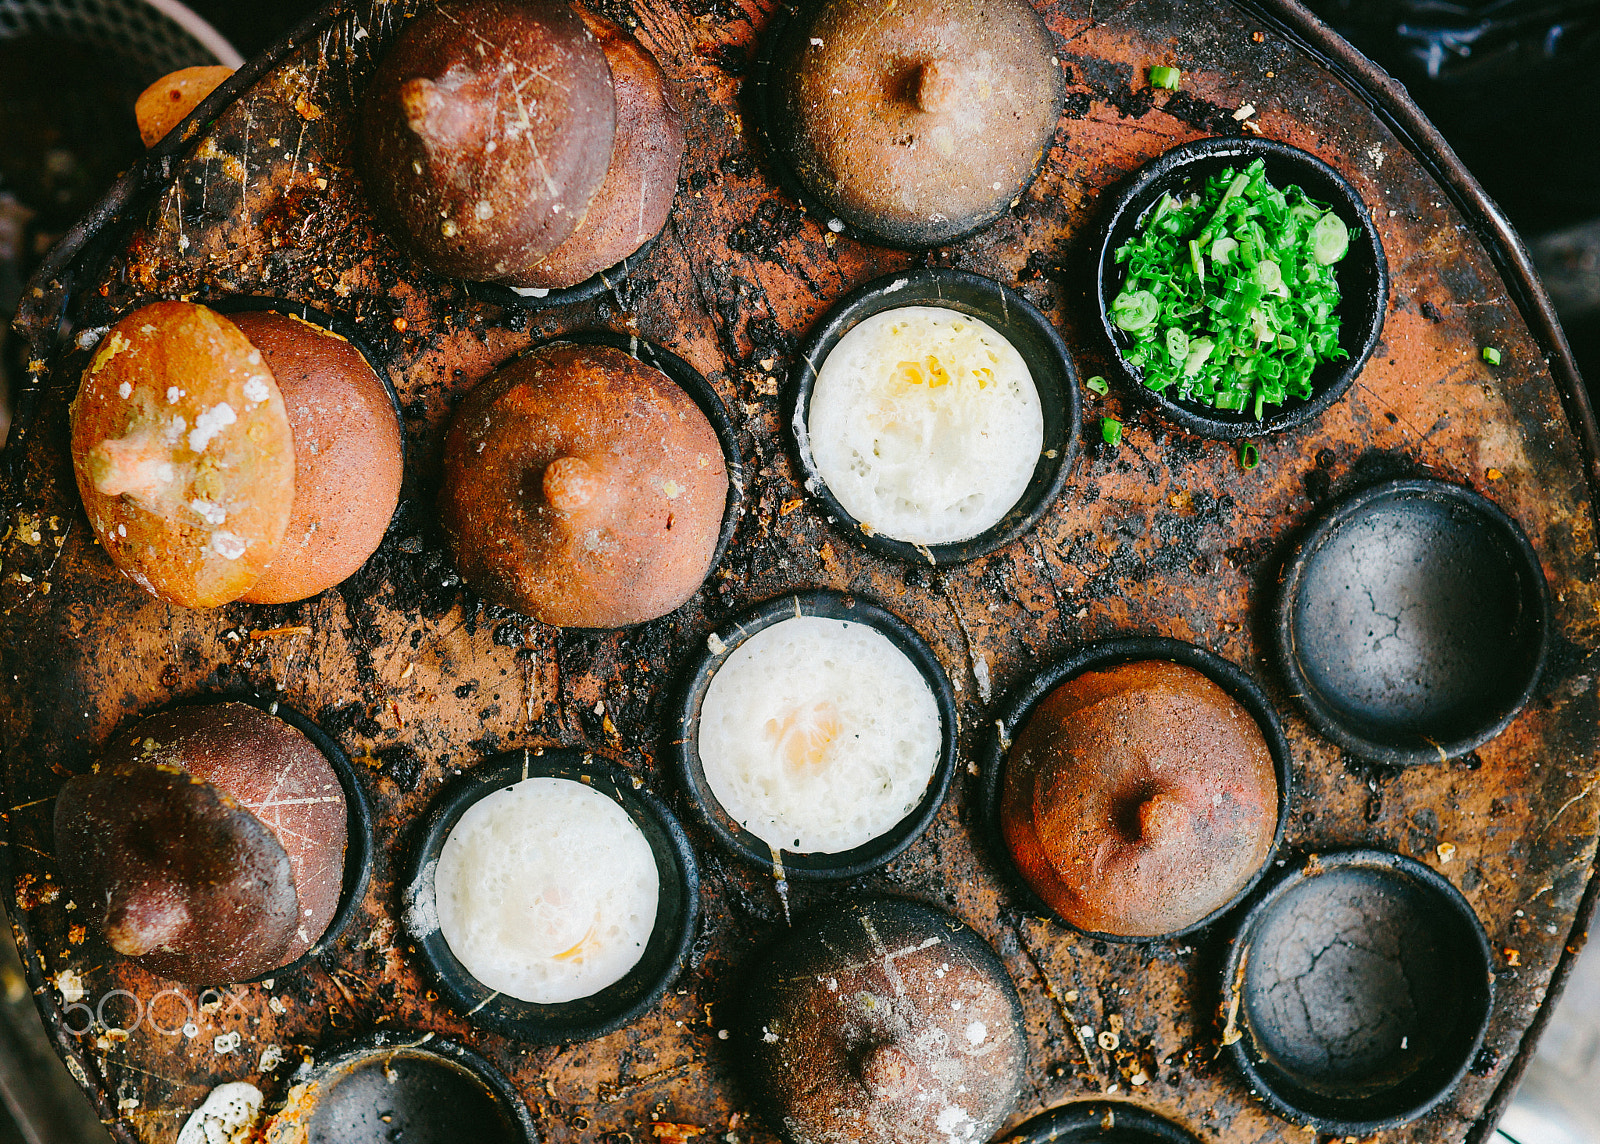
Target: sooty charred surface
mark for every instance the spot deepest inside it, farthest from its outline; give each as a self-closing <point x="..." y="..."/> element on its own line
<point x="418" y="679"/>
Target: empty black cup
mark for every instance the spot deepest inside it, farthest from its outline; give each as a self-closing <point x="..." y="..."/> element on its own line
<point x="1356" y="992"/>
<point x="1412" y="621"/>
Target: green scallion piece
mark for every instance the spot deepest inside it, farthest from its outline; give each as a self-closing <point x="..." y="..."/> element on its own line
<point x="1097" y="384"/>
<point x="1491" y="355"/>
<point x="1165" y="77"/>
<point x="1249" y="456"/>
<point x="1330" y="239"/>
<point x="1111" y="431"/>
<point x="1134" y="311"/>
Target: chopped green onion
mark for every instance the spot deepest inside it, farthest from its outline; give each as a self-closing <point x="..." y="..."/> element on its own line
<point x="1229" y="297"/>
<point x="1491" y="355"/>
<point x="1166" y="77"/>
<point x="1269" y="276"/>
<point x="1097" y="384"/>
<point x="1249" y="456"/>
<point x="1199" y="353"/>
<point x="1111" y="431"/>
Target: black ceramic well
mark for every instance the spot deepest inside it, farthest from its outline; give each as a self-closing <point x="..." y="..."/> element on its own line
<point x="1360" y="988"/>
<point x="335" y="324"/>
<point x="1099" y="1122"/>
<point x="358" y="848"/>
<point x="1412" y="621"/>
<point x="412" y="1087"/>
<point x="545" y="299"/>
<point x="682" y="720"/>
<point x="1012" y="712"/>
<point x="1363" y="273"/>
<point x="1011" y="316"/>
<point x="665" y="954"/>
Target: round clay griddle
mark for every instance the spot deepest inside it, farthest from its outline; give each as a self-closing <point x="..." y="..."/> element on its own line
<point x="1166" y="535"/>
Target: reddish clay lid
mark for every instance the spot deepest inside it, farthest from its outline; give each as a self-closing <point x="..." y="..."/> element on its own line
<point x="583" y="488"/>
<point x="1139" y="799"/>
<point x="916" y="122"/>
<point x="886" y="1020"/>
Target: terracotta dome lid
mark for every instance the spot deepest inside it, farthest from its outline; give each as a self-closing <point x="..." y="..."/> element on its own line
<point x="1139" y="800"/>
<point x="883" y="1020"/>
<point x="918" y="122"/>
<point x="583" y="488"/>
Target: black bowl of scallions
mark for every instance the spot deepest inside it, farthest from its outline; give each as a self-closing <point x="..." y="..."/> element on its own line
<point x="1242" y="285"/>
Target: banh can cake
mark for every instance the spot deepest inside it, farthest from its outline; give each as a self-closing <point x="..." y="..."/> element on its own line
<point x="547" y="891"/>
<point x="256" y="457"/>
<point x="818" y="735"/>
<point x="1139" y="799"/>
<point x="925" y="424"/>
<point x="209" y="846"/>
<point x="520" y="142"/>
<point x="583" y="488"/>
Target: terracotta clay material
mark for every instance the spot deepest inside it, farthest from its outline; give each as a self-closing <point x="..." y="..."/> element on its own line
<point x="884" y="1020"/>
<point x="918" y="122"/>
<point x="347" y="454"/>
<point x="163" y="105"/>
<point x="486" y="133"/>
<point x="183" y="454"/>
<point x="646" y="154"/>
<point x="215" y="838"/>
<point x="583" y="488"/>
<point x="1139" y="800"/>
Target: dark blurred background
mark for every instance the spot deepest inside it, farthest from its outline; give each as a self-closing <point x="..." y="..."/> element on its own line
<point x="1510" y="83"/>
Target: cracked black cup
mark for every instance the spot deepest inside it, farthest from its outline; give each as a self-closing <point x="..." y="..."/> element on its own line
<point x="1356" y="992"/>
<point x="1412" y="621"/>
